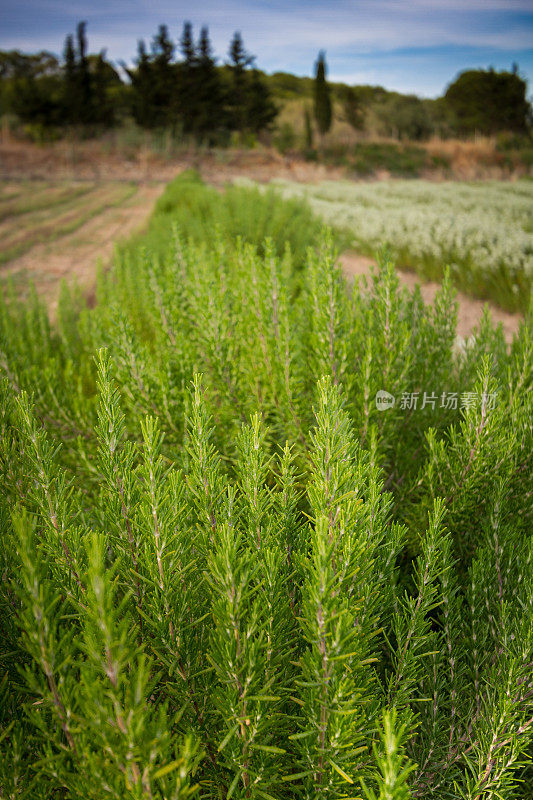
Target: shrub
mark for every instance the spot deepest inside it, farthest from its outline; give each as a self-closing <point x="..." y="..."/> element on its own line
<point x="402" y="160"/>
<point x="285" y="138"/>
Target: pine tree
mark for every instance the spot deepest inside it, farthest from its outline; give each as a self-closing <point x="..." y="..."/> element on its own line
<point x="322" y="100"/>
<point x="142" y="101"/>
<point x="164" y="77"/>
<point x="353" y="107"/>
<point x="261" y="111"/>
<point x="187" y="47"/>
<point x="86" y="80"/>
<point x="104" y="110"/>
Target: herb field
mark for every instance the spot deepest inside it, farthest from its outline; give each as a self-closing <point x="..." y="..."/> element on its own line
<point x="232" y="566"/>
<point x="54" y="230"/>
<point x="38" y="211"/>
<point x="483" y="231"/>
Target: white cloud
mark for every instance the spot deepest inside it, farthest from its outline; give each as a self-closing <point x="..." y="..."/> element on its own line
<point x="365" y="24"/>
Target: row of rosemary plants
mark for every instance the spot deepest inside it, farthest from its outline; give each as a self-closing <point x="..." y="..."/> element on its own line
<point x="227" y="573"/>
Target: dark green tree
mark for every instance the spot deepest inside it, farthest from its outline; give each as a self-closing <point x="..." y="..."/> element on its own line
<point x="187" y="48"/>
<point x="250" y="102"/>
<point x="405" y="117"/>
<point x="31" y="88"/>
<point x="211" y="115"/>
<point x="86" y="83"/>
<point x="261" y="110"/>
<point x="14" y="64"/>
<point x="189" y="101"/>
<point x="104" y="78"/>
<point x="70" y="82"/>
<point x="85" y="106"/>
<point x="487" y="102"/>
<point x="322" y="108"/>
<point x="142" y="97"/>
<point x="163" y="75"/>
<point x="238" y="101"/>
<point x="38" y="102"/>
<point x="352" y="106"/>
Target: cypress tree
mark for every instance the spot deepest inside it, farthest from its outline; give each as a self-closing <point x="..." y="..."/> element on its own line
<point x="86" y="105"/>
<point x="239" y="61"/>
<point x="322" y="98"/>
<point x="70" y="93"/>
<point x="189" y="102"/>
<point x="210" y="115"/>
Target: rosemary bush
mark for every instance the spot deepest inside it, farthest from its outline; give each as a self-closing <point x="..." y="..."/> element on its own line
<point x="228" y="573"/>
<point x="196" y="210"/>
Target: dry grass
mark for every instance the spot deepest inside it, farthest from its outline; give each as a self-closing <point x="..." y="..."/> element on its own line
<point x="472" y="160"/>
<point x="106" y="159"/>
<point x="293" y="113"/>
<point x="468" y="160"/>
<point x="93" y="160"/>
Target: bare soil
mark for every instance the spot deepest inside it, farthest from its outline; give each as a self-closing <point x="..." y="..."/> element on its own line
<point x="470" y="310"/>
<point x="76" y="255"/>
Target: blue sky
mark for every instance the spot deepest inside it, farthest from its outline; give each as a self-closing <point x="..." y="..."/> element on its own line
<point x="413" y="46"/>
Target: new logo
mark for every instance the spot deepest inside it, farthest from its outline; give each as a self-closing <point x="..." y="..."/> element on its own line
<point x="384" y="400"/>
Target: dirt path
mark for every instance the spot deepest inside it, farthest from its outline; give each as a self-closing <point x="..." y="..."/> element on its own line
<point x="75" y="255"/>
<point x="469" y="311"/>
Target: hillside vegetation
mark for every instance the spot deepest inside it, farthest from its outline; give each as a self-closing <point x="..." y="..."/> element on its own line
<point x="179" y="92"/>
<point x="232" y="566"/>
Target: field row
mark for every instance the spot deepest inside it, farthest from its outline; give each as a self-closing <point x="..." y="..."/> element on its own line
<point x="35" y="212"/>
<point x="483" y="231"/>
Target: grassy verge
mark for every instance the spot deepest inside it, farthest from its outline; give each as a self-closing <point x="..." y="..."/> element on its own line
<point x="400" y="160"/>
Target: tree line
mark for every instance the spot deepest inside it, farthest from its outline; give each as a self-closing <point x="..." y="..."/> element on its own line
<point x="170" y="85"/>
<point x="477" y="101"/>
<point x="180" y="87"/>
